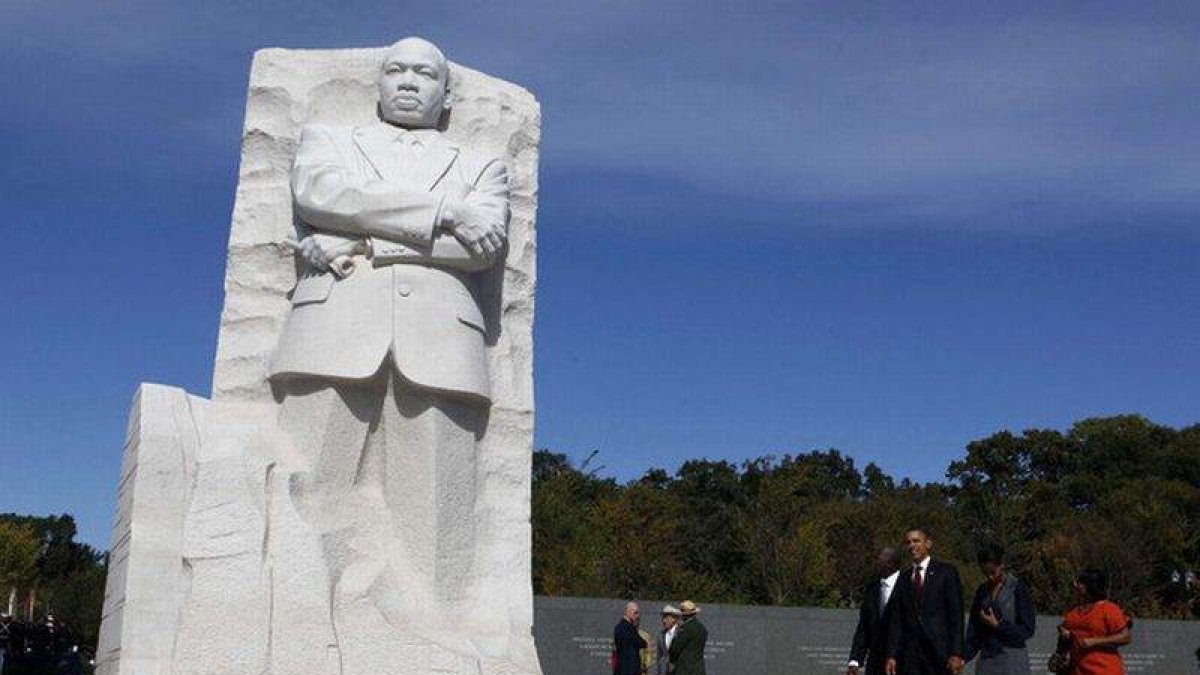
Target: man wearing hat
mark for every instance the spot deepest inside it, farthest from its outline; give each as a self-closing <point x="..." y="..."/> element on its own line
<point x="687" y="648"/>
<point x="670" y="624"/>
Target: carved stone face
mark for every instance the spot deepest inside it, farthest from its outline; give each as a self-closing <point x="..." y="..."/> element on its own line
<point x="413" y="82"/>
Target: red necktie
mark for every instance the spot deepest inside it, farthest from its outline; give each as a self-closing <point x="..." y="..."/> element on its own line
<point x="918" y="584"/>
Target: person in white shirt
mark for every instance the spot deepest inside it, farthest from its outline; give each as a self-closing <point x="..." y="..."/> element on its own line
<point x="670" y="624"/>
<point x="870" y="638"/>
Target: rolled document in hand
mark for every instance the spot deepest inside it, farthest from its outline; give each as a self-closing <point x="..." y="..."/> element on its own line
<point x="341" y="266"/>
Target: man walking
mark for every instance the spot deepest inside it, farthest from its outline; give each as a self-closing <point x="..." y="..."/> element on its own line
<point x="627" y="644"/>
<point x="687" y="648"/>
<point x="925" y="630"/>
<point x="870" y="638"/>
<point x="6" y="638"/>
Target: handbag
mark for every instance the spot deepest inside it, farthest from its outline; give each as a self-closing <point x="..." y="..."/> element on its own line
<point x="1060" y="660"/>
<point x="1059" y="663"/>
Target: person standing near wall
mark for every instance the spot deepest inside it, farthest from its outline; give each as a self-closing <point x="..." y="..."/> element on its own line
<point x="670" y="626"/>
<point x="687" y="649"/>
<point x="1001" y="620"/>
<point x="627" y="643"/>
<point x="1095" y="628"/>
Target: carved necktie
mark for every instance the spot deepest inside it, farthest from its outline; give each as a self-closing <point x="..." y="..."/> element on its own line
<point x="407" y="150"/>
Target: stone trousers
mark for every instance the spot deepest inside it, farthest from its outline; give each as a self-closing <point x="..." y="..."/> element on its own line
<point x="382" y="489"/>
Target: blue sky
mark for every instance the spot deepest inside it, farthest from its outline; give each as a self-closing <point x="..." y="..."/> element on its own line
<point x="882" y="227"/>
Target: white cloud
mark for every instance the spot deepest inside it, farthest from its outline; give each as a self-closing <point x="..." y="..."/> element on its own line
<point x="947" y="113"/>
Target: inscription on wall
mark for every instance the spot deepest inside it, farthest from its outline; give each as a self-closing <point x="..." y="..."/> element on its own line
<point x="574" y="637"/>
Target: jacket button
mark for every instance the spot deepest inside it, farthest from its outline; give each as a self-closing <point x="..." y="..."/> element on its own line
<point x="404" y="290"/>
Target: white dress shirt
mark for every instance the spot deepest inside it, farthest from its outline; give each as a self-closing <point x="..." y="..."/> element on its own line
<point x="886" y="586"/>
<point x="924" y="565"/>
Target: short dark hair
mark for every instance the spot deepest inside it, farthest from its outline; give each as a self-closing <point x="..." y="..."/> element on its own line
<point x="1095" y="584"/>
<point x="928" y="533"/>
<point x="990" y="553"/>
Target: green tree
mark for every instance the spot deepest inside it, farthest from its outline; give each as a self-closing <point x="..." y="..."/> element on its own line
<point x="19" y="547"/>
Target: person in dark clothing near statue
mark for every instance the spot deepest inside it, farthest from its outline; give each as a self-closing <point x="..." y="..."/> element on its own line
<point x="870" y="637"/>
<point x="1001" y="620"/>
<point x="7" y="629"/>
<point x="925" y="631"/>
<point x="627" y="644"/>
<point x="687" y="649"/>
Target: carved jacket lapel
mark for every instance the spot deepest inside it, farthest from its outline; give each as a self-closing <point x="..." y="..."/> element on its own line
<point x="435" y="163"/>
<point x="376" y="142"/>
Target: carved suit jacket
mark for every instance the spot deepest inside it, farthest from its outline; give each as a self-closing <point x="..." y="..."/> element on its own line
<point x="414" y="297"/>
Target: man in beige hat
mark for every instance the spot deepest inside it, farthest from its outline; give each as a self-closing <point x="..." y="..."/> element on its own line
<point x="687" y="648"/>
<point x="670" y="626"/>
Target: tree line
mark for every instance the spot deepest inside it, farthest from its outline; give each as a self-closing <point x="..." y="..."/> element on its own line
<point x="43" y="570"/>
<point x="1118" y="493"/>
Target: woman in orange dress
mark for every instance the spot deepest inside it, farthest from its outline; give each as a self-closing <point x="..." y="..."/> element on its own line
<point x="1095" y="628"/>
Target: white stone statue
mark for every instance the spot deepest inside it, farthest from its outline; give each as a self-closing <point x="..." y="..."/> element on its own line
<point x="354" y="499"/>
<point x="381" y="372"/>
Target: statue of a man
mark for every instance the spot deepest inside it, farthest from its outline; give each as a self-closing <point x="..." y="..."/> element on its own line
<point x="380" y="370"/>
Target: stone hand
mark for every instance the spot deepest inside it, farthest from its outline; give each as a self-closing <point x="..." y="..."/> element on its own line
<point x="475" y="233"/>
<point x="326" y="253"/>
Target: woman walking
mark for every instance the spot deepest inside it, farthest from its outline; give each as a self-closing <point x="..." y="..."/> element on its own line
<point x="1095" y="628"/>
<point x="1002" y="619"/>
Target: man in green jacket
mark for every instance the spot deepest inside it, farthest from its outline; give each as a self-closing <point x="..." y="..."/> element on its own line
<point x="687" y="649"/>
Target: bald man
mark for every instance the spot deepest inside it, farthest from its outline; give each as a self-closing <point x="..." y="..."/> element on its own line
<point x="628" y="642"/>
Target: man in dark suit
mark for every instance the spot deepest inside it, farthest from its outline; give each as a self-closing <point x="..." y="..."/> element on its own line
<point x="687" y="649"/>
<point x="925" y="630"/>
<point x="627" y="644"/>
<point x="870" y="638"/>
<point x="8" y="638"/>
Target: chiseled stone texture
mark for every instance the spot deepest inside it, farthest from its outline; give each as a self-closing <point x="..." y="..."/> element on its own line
<point x="191" y="590"/>
<point x="291" y="88"/>
<point x="146" y="581"/>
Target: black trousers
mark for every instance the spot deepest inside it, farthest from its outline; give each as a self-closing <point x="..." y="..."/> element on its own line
<point x="922" y="662"/>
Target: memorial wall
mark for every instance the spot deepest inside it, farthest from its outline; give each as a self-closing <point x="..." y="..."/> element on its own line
<point x="574" y="637"/>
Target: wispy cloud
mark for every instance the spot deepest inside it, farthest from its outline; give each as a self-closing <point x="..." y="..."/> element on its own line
<point x="1014" y="117"/>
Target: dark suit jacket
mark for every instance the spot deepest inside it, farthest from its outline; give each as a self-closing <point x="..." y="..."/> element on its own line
<point x="628" y="644"/>
<point x="870" y="638"/>
<point x="932" y="627"/>
<point x="687" y="649"/>
<point x="1013" y="631"/>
